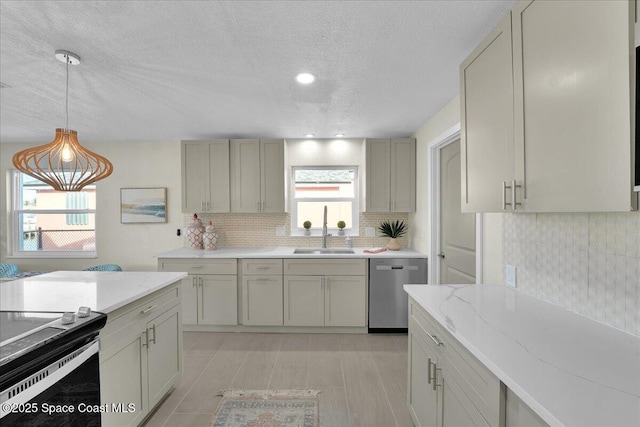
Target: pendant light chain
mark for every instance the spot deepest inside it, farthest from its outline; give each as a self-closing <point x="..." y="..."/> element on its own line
<point x="67" y="97"/>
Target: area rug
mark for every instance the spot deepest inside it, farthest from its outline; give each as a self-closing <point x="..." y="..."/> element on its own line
<point x="267" y="408"/>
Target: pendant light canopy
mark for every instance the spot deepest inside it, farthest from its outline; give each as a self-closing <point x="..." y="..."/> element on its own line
<point x="63" y="163"/>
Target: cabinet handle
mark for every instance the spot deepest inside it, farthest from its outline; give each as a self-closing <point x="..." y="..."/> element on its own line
<point x="514" y="202"/>
<point x="201" y="280"/>
<point x="193" y="281"/>
<point x="429" y="363"/>
<point x="435" y="377"/>
<point x="208" y="206"/>
<point x="153" y="307"/>
<point x="505" y="187"/>
<point x="153" y="328"/>
<point x="201" y="206"/>
<point x="262" y="268"/>
<point x="262" y="206"/>
<point x="435" y="339"/>
<point x="196" y="266"/>
<point x="145" y="342"/>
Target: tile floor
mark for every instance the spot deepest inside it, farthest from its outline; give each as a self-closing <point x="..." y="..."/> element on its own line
<point x="362" y="378"/>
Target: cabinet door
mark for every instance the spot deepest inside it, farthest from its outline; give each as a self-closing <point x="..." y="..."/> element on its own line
<point x="218" y="300"/>
<point x="304" y="300"/>
<point x="403" y="175"/>
<point x="245" y="175"/>
<point x="486" y="137"/>
<point x="572" y="68"/>
<point x="262" y="298"/>
<point x="457" y="409"/>
<point x="345" y="301"/>
<point x="219" y="181"/>
<point x="164" y="359"/>
<point x="195" y="176"/>
<point x="190" y="300"/>
<point x="272" y="175"/>
<point x="123" y="379"/>
<point x="422" y="399"/>
<point x="378" y="171"/>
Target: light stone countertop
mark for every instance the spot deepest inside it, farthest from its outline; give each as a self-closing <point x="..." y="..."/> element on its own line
<point x="282" y="252"/>
<point x="102" y="291"/>
<point x="571" y="370"/>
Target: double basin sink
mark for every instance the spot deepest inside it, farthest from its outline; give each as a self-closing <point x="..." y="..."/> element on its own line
<point x="322" y="251"/>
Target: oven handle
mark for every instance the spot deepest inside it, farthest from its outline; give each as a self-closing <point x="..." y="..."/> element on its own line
<point x="48" y="376"/>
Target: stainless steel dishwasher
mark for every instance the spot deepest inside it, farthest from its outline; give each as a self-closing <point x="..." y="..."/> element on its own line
<point x="388" y="302"/>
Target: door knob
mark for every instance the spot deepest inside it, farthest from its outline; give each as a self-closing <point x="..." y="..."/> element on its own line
<point x="441" y="255"/>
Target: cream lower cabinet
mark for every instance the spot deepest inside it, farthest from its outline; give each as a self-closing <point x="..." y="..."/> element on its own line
<point x="210" y="292"/>
<point x="448" y="386"/>
<point x="262" y="292"/>
<point x="140" y="356"/>
<point x="312" y="298"/>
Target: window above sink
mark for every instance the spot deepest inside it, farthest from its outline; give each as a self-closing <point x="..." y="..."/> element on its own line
<point x="314" y="187"/>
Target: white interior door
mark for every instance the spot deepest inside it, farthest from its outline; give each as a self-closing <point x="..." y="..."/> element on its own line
<point x="457" y="255"/>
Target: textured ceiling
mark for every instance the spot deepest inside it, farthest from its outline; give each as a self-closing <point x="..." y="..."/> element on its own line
<point x="171" y="70"/>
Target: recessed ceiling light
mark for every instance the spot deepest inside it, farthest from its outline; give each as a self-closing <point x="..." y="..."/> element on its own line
<point x="308" y="135"/>
<point x="305" y="78"/>
<point x="339" y="135"/>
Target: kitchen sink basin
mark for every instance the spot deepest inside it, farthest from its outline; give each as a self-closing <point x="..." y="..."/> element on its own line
<point x="322" y="251"/>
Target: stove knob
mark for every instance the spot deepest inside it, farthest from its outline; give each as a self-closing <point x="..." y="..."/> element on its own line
<point x="68" y="318"/>
<point x="84" y="312"/>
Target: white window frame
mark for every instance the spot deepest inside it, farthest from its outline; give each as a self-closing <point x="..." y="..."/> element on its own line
<point x="17" y="210"/>
<point x="315" y="231"/>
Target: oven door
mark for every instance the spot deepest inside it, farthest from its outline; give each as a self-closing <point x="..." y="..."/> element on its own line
<point x="65" y="392"/>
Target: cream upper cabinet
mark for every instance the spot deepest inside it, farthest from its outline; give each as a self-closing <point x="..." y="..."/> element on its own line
<point x="391" y="175"/>
<point x="573" y="63"/>
<point x="205" y="176"/>
<point x="487" y="139"/>
<point x="257" y="175"/>
<point x="546" y="110"/>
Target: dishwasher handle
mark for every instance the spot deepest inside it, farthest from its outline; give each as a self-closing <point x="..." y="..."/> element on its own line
<point x="397" y="267"/>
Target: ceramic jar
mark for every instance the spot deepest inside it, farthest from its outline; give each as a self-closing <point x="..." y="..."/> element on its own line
<point x="195" y="231"/>
<point x="209" y="238"/>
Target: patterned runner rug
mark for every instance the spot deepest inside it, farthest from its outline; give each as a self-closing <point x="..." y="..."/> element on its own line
<point x="267" y="408"/>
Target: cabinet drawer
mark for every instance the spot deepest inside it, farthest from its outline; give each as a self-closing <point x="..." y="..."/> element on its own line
<point x="197" y="266"/>
<point x="261" y="266"/>
<point x="434" y="333"/>
<point x="322" y="267"/>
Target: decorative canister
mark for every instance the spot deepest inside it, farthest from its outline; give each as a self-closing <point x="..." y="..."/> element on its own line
<point x="194" y="233"/>
<point x="209" y="238"/>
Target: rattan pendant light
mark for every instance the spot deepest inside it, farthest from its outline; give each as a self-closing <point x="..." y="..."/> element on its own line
<point x="63" y="163"/>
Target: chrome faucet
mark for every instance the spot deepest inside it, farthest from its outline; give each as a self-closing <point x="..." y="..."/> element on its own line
<point x="324" y="228"/>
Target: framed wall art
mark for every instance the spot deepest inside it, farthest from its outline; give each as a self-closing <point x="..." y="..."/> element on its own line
<point x="143" y="205"/>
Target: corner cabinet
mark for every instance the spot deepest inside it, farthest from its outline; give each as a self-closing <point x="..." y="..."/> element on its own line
<point x="257" y="175"/>
<point x="140" y="356"/>
<point x="210" y="291"/>
<point x="547" y="108"/>
<point x="391" y="175"/>
<point x="205" y="176"/>
<point x="312" y="298"/>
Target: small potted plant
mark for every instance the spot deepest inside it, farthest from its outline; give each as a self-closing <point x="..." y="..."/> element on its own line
<point x="307" y="227"/>
<point x="393" y="230"/>
<point x="341" y="226"/>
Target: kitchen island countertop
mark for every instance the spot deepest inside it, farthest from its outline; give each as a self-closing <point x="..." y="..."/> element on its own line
<point x="571" y="370"/>
<point x="283" y="252"/>
<point x="103" y="291"/>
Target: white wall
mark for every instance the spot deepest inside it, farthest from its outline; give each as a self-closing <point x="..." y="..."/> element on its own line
<point x="130" y="245"/>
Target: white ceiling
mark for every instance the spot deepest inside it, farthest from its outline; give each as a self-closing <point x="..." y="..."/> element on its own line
<point x="171" y="70"/>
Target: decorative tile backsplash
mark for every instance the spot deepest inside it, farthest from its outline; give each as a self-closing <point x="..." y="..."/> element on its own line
<point x="587" y="263"/>
<point x="260" y="230"/>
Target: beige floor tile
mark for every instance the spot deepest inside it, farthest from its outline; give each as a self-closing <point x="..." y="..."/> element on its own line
<point x="257" y="367"/>
<point x="292" y="364"/>
<point x="189" y="420"/>
<point x="332" y="407"/>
